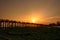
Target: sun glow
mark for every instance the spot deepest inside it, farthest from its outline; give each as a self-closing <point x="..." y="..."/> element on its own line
<point x="33" y="20"/>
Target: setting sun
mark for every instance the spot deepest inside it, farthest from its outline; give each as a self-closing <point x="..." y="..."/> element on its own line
<point x="33" y="20"/>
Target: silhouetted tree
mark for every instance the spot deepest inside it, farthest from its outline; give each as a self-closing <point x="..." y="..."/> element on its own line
<point x="14" y="23"/>
<point x="1" y="21"/>
<point x="19" y="24"/>
<point x="11" y="23"/>
<point x="52" y="24"/>
<point x="6" y="21"/>
<point x="58" y="23"/>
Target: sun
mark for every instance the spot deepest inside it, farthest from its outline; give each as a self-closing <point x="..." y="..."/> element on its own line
<point x="33" y="20"/>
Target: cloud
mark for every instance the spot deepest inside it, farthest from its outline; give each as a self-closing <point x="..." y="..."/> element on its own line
<point x="54" y="17"/>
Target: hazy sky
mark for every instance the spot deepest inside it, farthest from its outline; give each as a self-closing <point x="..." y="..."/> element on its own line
<point x="43" y="11"/>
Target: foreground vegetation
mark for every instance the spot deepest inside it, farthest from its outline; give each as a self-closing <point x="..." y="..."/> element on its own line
<point x="30" y="33"/>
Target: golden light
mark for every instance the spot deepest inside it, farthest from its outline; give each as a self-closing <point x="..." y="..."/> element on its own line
<point x="36" y="20"/>
<point x="33" y="20"/>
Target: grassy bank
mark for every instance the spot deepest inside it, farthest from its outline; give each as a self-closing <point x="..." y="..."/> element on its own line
<point x="30" y="34"/>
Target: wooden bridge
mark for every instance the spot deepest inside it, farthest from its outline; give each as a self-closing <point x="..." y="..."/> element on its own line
<point x="10" y="23"/>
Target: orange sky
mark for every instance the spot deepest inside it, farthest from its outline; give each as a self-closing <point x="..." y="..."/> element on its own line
<point x="42" y="11"/>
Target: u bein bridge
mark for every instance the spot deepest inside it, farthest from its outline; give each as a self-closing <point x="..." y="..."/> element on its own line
<point x="10" y="23"/>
